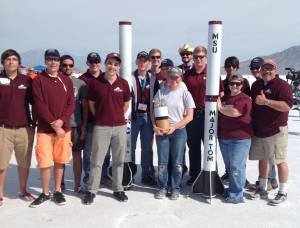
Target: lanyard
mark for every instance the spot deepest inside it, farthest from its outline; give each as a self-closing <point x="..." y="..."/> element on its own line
<point x="143" y="84"/>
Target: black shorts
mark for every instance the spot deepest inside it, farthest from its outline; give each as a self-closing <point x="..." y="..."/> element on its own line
<point x="75" y="137"/>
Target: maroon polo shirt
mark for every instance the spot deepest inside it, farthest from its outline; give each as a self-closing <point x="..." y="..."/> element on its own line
<point x="245" y="88"/>
<point x="266" y="121"/>
<point x="109" y="101"/>
<point x="196" y="84"/>
<point x="87" y="77"/>
<point x="236" y="127"/>
<point x="53" y="99"/>
<point x="15" y="96"/>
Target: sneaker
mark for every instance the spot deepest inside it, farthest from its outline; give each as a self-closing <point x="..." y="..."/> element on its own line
<point x="225" y="176"/>
<point x="41" y="199"/>
<point x="279" y="198"/>
<point x="259" y="194"/>
<point x="88" y="198"/>
<point x="59" y="198"/>
<point x="160" y="194"/>
<point x="120" y="196"/>
<point x="174" y="196"/>
<point x="150" y="181"/>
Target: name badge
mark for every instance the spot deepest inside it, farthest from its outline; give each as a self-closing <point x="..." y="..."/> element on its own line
<point x="4" y="81"/>
<point x="142" y="107"/>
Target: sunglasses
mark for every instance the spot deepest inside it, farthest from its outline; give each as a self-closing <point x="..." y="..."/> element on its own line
<point x="267" y="68"/>
<point x="185" y="53"/>
<point x="67" y="65"/>
<point x="199" y="56"/>
<point x="230" y="65"/>
<point x="235" y="84"/>
<point x="56" y="59"/>
<point x="155" y="57"/>
<point x="254" y="68"/>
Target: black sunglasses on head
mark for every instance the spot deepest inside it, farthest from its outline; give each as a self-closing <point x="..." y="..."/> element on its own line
<point x="67" y="65"/>
<point x="230" y="65"/>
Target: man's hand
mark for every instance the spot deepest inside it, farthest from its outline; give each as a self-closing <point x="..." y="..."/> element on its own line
<point x="171" y="130"/>
<point x="60" y="132"/>
<point x="261" y="99"/>
<point x="57" y="124"/>
<point x="158" y="130"/>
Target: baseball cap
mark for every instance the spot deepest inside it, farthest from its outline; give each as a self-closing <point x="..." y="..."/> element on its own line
<point x="167" y="63"/>
<point x="256" y="62"/>
<point x="270" y="62"/>
<point x="236" y="78"/>
<point x="175" y="72"/>
<point x="52" y="53"/>
<point x="144" y="55"/>
<point x="93" y="57"/>
<point x="113" y="55"/>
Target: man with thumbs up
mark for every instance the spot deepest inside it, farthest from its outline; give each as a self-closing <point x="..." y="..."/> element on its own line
<point x="272" y="100"/>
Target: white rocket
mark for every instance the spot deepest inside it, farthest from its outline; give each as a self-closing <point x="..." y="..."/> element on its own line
<point x="208" y="181"/>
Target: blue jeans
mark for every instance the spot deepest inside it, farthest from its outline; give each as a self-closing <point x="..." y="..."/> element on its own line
<point x="143" y="125"/>
<point x="173" y="144"/>
<point x="87" y="151"/>
<point x="235" y="154"/>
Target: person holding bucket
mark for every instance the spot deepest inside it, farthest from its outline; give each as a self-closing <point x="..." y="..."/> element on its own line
<point x="173" y="109"/>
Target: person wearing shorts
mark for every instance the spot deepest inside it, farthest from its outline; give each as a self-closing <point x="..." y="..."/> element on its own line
<point x="53" y="96"/>
<point x="15" y="133"/>
<point x="272" y="99"/>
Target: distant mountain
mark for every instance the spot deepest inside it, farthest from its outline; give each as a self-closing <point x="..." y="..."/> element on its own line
<point x="287" y="58"/>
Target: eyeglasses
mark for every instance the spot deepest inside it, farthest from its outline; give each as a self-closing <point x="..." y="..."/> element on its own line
<point x="185" y="53"/>
<point x="67" y="65"/>
<point x="199" y="56"/>
<point x="56" y="59"/>
<point x="235" y="84"/>
<point x="155" y="57"/>
<point x="254" y="68"/>
<point x="230" y="65"/>
<point x="267" y="68"/>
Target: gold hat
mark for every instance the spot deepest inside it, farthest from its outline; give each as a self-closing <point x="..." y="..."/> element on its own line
<point x="186" y="48"/>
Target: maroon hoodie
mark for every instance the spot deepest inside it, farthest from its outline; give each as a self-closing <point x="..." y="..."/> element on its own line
<point x="53" y="99"/>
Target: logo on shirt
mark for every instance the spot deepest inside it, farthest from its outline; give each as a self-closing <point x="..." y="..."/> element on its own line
<point x="22" y="87"/>
<point x="268" y="91"/>
<point x="118" y="89"/>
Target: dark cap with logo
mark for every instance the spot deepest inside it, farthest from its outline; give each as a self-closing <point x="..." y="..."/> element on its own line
<point x="93" y="57"/>
<point x="113" y="55"/>
<point x="144" y="55"/>
<point x="167" y="63"/>
<point x="52" y="53"/>
<point x="256" y="62"/>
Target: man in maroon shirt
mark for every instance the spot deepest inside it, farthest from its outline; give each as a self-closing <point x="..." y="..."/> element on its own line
<point x="53" y="96"/>
<point x="272" y="100"/>
<point x="108" y="99"/>
<point x="93" y="62"/>
<point x="15" y="135"/>
<point x="195" y="81"/>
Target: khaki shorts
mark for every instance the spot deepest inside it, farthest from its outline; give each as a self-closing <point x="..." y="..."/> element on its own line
<point x="19" y="140"/>
<point x="273" y="148"/>
<point x="51" y="148"/>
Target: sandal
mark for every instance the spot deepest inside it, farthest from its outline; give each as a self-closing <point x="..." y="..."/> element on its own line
<point x="26" y="197"/>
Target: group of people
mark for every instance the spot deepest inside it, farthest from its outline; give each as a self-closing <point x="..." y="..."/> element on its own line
<point x="88" y="114"/>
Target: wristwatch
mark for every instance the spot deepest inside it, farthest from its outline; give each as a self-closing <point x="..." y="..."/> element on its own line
<point x="266" y="102"/>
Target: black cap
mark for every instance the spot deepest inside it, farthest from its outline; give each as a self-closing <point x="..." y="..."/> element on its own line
<point x="93" y="57"/>
<point x="144" y="55"/>
<point x="52" y="53"/>
<point x="167" y="63"/>
<point x="256" y="62"/>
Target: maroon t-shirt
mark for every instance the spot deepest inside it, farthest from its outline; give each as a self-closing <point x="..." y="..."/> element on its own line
<point x="87" y="77"/>
<point x="266" y="121"/>
<point x="236" y="127"/>
<point x="15" y="96"/>
<point x="196" y="84"/>
<point x="109" y="101"/>
<point x="53" y="99"/>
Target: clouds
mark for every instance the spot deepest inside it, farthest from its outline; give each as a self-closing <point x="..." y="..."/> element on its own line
<point x="250" y="27"/>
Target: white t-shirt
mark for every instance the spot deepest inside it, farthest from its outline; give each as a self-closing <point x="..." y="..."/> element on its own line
<point x="177" y="101"/>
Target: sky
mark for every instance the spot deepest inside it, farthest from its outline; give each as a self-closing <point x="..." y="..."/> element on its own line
<point x="251" y="28"/>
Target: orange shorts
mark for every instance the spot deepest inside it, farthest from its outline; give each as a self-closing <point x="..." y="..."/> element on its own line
<point x="51" y="148"/>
